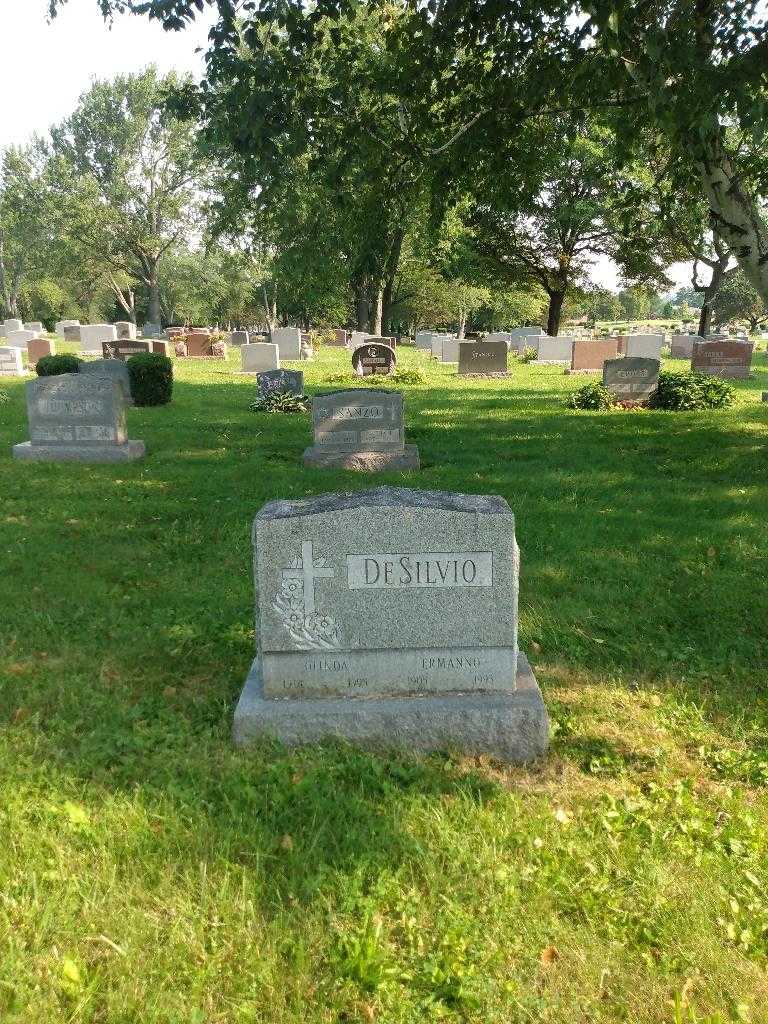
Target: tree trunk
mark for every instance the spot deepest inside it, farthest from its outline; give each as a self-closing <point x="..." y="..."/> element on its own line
<point x="154" y="314"/>
<point x="705" y="318"/>
<point x="736" y="218"/>
<point x="361" y="307"/>
<point x="462" y="326"/>
<point x="375" y="321"/>
<point x="554" y="312"/>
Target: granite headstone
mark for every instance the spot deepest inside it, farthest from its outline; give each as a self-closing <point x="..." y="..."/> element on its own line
<point x="483" y="358"/>
<point x="373" y="358"/>
<point x="361" y="429"/>
<point x="631" y="378"/>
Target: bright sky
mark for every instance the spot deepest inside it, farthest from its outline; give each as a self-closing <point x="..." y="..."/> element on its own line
<point x="45" y="67"/>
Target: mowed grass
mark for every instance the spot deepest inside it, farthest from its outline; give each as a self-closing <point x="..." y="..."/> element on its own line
<point x="150" y="873"/>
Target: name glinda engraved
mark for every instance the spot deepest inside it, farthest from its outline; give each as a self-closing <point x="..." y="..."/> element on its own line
<point x="424" y="569"/>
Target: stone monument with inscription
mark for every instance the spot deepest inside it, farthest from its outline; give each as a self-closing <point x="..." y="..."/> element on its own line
<point x="11" y="362"/>
<point x="483" y="358"/>
<point x="374" y="358"/>
<point x="290" y="382"/>
<point x="360" y="429"/>
<point x="77" y="417"/>
<point x="388" y="617"/>
<point x="631" y="378"/>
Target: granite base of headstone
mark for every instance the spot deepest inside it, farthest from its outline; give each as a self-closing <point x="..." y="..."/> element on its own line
<point x="388" y="618"/>
<point x="360" y="429"/>
<point x="77" y="417"/>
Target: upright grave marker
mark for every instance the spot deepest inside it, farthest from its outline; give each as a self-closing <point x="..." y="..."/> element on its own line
<point x="731" y="359"/>
<point x="11" y="362"/>
<point x="289" y="381"/>
<point x="39" y="347"/>
<point x="389" y="618"/>
<point x="115" y="369"/>
<point x="93" y="336"/>
<point x="373" y="358"/>
<point x="647" y="345"/>
<point x="590" y="354"/>
<point x="360" y="429"/>
<point x="631" y="378"/>
<point x="151" y="330"/>
<point x="553" y="351"/>
<point x="483" y="359"/>
<point x="681" y="345"/>
<point x="77" y="417"/>
<point x="123" y="350"/>
<point x="288" y="341"/>
<point x="259" y="356"/>
<point x="126" y="330"/>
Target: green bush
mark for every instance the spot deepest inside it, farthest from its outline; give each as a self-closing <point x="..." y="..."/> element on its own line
<point x="691" y="390"/>
<point x="594" y="395"/>
<point x="3" y="397"/>
<point x="280" y="401"/>
<point x="528" y="354"/>
<point x="52" y="366"/>
<point x="151" y="376"/>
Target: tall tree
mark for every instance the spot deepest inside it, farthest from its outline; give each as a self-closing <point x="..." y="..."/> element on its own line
<point x="26" y="231"/>
<point x="129" y="178"/>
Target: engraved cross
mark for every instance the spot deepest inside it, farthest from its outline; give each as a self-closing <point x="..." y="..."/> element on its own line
<point x="309" y="573"/>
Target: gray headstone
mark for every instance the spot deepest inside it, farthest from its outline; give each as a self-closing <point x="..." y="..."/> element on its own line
<point x="72" y="332"/>
<point x="482" y="358"/>
<point x="359" y="420"/>
<point x="152" y="330"/>
<point x="11" y="362"/>
<point x="631" y="379"/>
<point x="373" y="358"/>
<point x="288" y="340"/>
<point x="239" y="338"/>
<point x="553" y="351"/>
<point x="289" y="381"/>
<point x="126" y="330"/>
<point x="77" y="417"/>
<point x="389" y="616"/>
<point x="112" y="368"/>
<point x="647" y="345"/>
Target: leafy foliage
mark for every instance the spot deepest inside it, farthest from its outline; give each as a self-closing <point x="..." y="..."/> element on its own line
<point x="151" y="375"/>
<point x="51" y="366"/>
<point x="280" y="401"/>
<point x="683" y="390"/>
<point x="594" y="395"/>
<point x="528" y="354"/>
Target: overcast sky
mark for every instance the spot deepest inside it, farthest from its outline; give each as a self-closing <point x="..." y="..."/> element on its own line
<point x="44" y="68"/>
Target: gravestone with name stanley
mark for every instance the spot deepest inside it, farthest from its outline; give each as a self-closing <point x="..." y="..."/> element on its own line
<point x="632" y="378"/>
<point x="77" y="417"/>
<point x="731" y="359"/>
<point x="290" y="382"/>
<point x="373" y="358"/>
<point x="115" y="369"/>
<point x="388" y="617"/>
<point x="483" y="359"/>
<point x="123" y="350"/>
<point x="360" y="429"/>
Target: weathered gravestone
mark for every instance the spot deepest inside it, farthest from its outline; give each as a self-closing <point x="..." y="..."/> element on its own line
<point x="288" y="341"/>
<point x="11" y="362"/>
<point x="73" y="332"/>
<point x="151" y="330"/>
<point x="37" y="326"/>
<point x="12" y="325"/>
<point x="589" y="354"/>
<point x="239" y="338"/>
<point x="21" y="339"/>
<point x="340" y="338"/>
<point x="631" y="378"/>
<point x="553" y="351"/>
<point x="732" y="359"/>
<point x="123" y="350"/>
<point x="388" y="618"/>
<point x="126" y="330"/>
<point x="259" y="356"/>
<point x="373" y="358"/>
<point x="681" y="345"/>
<point x="290" y="382"/>
<point x="483" y="359"/>
<point x="198" y="344"/>
<point x="61" y="326"/>
<point x="360" y="429"/>
<point x="76" y="417"/>
<point x="39" y="347"/>
<point x="423" y="340"/>
<point x="93" y="336"/>
<point x="647" y="345"/>
<point x="115" y="369"/>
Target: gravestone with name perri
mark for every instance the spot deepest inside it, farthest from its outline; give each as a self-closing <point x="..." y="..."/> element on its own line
<point x="631" y="378"/>
<point x="360" y="429"/>
<point x="77" y="417"/>
<point x="731" y="359"/>
<point x="389" y="617"/>
<point x="483" y="358"/>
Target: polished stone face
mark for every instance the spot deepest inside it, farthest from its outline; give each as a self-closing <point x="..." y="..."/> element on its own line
<point x="76" y="408"/>
<point x="480" y="357"/>
<point x="373" y="357"/>
<point x="291" y="381"/>
<point x="123" y="350"/>
<point x="387" y="591"/>
<point x="731" y="359"/>
<point x="631" y="379"/>
<point x="360" y="419"/>
<point x="591" y="353"/>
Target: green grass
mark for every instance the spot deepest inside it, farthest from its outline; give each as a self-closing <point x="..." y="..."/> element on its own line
<point x="149" y="873"/>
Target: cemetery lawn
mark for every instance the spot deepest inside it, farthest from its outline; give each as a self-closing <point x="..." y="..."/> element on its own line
<point x="150" y="873"/>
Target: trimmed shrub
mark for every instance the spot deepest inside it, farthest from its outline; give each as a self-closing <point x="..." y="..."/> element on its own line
<point x="690" y="390"/>
<point x="280" y="401"/>
<point x="151" y="375"/>
<point x="52" y="366"/>
<point x="594" y="395"/>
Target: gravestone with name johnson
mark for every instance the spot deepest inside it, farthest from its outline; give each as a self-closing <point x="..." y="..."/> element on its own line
<point x="389" y="617"/>
<point x="483" y="359"/>
<point x="76" y="417"/>
<point x="731" y="359"/>
<point x="361" y="429"/>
